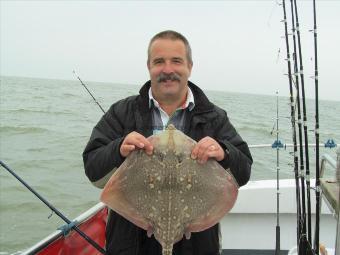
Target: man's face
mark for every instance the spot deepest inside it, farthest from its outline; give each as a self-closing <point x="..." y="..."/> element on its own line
<point x="169" y="69"/>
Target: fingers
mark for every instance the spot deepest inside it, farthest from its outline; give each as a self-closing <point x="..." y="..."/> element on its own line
<point x="135" y="141"/>
<point x="125" y="150"/>
<point x="207" y="148"/>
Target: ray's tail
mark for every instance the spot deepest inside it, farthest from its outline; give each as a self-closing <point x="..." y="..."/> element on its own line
<point x="167" y="250"/>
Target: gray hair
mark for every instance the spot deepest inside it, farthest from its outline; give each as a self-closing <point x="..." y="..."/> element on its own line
<point x="172" y="35"/>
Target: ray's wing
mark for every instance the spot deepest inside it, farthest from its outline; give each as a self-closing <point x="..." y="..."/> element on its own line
<point x="218" y="195"/>
<point x="114" y="194"/>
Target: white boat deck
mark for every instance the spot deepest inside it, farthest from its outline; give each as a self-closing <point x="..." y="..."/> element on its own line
<point x="251" y="223"/>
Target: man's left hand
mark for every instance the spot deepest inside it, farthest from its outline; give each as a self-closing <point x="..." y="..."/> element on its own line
<point x="207" y="148"/>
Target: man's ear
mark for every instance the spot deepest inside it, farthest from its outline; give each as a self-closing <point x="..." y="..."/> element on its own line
<point x="190" y="68"/>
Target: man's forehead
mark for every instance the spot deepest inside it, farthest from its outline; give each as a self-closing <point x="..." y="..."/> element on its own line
<point x="167" y="45"/>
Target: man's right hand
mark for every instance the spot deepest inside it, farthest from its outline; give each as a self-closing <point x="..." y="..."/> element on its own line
<point x="135" y="141"/>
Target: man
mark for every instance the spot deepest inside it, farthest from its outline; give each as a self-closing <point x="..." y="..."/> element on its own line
<point x="168" y="98"/>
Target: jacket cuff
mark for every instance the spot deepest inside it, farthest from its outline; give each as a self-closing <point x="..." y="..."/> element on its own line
<point x="120" y="159"/>
<point x="225" y="162"/>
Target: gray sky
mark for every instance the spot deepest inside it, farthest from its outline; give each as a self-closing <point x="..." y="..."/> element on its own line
<point x="235" y="43"/>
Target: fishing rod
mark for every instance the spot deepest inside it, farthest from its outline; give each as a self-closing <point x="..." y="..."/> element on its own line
<point x="292" y="114"/>
<point x="317" y="163"/>
<point x="277" y="142"/>
<point x="303" y="241"/>
<point x="56" y="211"/>
<point x="309" y="213"/>
<point x="82" y="83"/>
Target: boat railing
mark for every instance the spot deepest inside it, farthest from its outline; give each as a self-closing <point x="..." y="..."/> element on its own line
<point x="329" y="144"/>
<point x="330" y="187"/>
<point x="331" y="191"/>
<point x="327" y="159"/>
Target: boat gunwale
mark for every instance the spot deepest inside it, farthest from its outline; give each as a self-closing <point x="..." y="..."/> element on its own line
<point x="59" y="233"/>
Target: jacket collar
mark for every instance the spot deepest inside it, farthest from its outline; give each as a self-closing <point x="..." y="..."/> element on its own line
<point x="202" y="103"/>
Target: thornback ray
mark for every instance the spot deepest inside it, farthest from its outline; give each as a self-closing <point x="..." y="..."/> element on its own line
<point x="168" y="193"/>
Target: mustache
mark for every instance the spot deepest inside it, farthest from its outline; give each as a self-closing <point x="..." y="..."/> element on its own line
<point x="163" y="77"/>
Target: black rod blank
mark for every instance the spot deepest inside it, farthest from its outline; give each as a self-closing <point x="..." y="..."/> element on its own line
<point x="55" y="210"/>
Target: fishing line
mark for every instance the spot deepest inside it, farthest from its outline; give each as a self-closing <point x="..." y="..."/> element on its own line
<point x="271" y="13"/>
<point x="50" y="216"/>
<point x="82" y="83"/>
<point x="278" y="55"/>
<point x="86" y="237"/>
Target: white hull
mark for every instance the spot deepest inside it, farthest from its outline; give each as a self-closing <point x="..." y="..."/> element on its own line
<point x="251" y="223"/>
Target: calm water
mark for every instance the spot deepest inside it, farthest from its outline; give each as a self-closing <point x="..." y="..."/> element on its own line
<point x="45" y="125"/>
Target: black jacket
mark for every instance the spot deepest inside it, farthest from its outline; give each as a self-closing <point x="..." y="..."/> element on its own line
<point x="101" y="157"/>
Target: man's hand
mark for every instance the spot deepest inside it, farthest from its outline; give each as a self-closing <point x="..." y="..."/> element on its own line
<point x="207" y="148"/>
<point x="135" y="141"/>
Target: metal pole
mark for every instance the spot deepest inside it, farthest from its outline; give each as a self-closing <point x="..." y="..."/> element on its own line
<point x="277" y="247"/>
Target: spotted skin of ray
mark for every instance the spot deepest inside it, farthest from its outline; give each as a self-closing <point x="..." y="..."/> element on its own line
<point x="168" y="193"/>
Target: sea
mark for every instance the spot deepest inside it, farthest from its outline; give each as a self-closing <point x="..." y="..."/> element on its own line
<point x="45" y="125"/>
